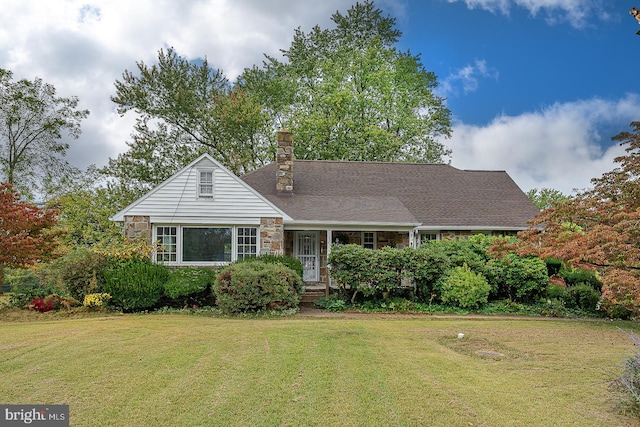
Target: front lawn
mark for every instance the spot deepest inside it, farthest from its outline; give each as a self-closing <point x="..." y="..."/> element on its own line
<point x="372" y="370"/>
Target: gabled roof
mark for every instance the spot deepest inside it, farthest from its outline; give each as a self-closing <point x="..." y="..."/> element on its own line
<point x="430" y="195"/>
<point x="176" y="199"/>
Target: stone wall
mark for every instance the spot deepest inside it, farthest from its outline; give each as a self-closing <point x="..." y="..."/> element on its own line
<point x="138" y="227"/>
<point x="271" y="236"/>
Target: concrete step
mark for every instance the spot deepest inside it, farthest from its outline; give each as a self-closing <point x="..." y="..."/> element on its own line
<point x="311" y="296"/>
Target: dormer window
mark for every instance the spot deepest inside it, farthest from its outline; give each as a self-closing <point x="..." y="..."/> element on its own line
<point x="205" y="183"/>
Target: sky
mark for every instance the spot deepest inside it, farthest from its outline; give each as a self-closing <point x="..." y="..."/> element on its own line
<point x="535" y="87"/>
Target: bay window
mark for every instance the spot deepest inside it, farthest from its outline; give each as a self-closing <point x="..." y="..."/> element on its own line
<point x="186" y="244"/>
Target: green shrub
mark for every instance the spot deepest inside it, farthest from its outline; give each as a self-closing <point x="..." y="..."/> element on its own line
<point x="427" y="265"/>
<point x="80" y="272"/>
<point x="553" y="266"/>
<point x="20" y="280"/>
<point x="522" y="279"/>
<point x="135" y="284"/>
<point x="352" y="267"/>
<point x="257" y="286"/>
<point x="23" y="298"/>
<point x="293" y="263"/>
<point x="560" y="293"/>
<point x="464" y="288"/>
<point x="333" y="302"/>
<point x="188" y="281"/>
<point x="585" y="296"/>
<point x="578" y="276"/>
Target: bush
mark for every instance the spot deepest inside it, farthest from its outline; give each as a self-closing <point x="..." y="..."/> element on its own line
<point x="333" y="302"/>
<point x="578" y="276"/>
<point x="585" y="297"/>
<point x="51" y="302"/>
<point x="293" y="263"/>
<point x="189" y="287"/>
<point x="80" y="272"/>
<point x="20" y="280"/>
<point x="135" y="284"/>
<point x="464" y="288"/>
<point x="427" y="265"/>
<point x="25" y="297"/>
<point x="553" y="266"/>
<point x="522" y="279"/>
<point x="99" y="300"/>
<point x="257" y="286"/>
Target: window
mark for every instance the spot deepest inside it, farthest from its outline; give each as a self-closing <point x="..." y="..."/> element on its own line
<point x="182" y="244"/>
<point x="167" y="244"/>
<point x="425" y="237"/>
<point x="369" y="239"/>
<point x="247" y="242"/>
<point x="205" y="183"/>
<point x="206" y="244"/>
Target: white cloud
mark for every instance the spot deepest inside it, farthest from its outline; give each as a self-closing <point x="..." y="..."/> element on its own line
<point x="558" y="147"/>
<point x="467" y="78"/>
<point x="83" y="46"/>
<point x="577" y="13"/>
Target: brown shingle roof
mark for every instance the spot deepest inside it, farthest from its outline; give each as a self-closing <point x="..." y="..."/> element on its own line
<point x="436" y="195"/>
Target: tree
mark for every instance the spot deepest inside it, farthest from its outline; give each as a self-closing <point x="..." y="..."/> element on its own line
<point x="599" y="228"/>
<point x="545" y="197"/>
<point x="348" y="94"/>
<point x="186" y="108"/>
<point x="26" y="231"/>
<point x="32" y="120"/>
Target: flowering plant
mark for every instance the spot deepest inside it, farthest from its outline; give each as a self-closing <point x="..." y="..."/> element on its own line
<point x="96" y="300"/>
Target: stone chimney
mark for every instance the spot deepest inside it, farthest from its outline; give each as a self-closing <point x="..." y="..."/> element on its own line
<point x="284" y="158"/>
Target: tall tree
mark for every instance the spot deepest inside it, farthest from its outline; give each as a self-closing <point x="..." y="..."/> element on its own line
<point x="347" y="93"/>
<point x="32" y="119"/>
<point x="546" y="197"/>
<point x="599" y="228"/>
<point x="26" y="231"/>
<point x="186" y="108"/>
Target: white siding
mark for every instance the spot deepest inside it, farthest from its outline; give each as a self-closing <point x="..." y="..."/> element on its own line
<point x="176" y="200"/>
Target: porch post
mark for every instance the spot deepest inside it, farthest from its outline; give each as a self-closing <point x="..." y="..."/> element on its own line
<point x="329" y="240"/>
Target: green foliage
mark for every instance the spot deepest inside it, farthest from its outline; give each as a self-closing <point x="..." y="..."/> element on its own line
<point x="184" y="282"/>
<point x="560" y="293"/>
<point x="288" y="261"/>
<point x="576" y="276"/>
<point x="334" y="302"/>
<point x="546" y="197"/>
<point x="135" y="284"/>
<point x="32" y="120"/>
<point x="347" y="93"/>
<point x="257" y="286"/>
<point x="464" y="288"/>
<point x="20" y="280"/>
<point x="80" y="272"/>
<point x="585" y="297"/>
<point x="553" y="266"/>
<point x="518" y="278"/>
<point x="427" y="265"/>
<point x="23" y="298"/>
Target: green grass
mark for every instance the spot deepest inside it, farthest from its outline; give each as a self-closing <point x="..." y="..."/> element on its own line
<point x="181" y="370"/>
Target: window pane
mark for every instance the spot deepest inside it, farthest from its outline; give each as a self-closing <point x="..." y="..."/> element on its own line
<point x="206" y="183"/>
<point x="247" y="242"/>
<point x="206" y="244"/>
<point x="166" y="244"/>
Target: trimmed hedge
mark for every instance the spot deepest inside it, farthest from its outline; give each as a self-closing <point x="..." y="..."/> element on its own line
<point x="464" y="288"/>
<point x="257" y="286"/>
<point x="136" y="284"/>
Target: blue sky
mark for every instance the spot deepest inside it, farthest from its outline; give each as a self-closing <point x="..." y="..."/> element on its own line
<point x="536" y="87"/>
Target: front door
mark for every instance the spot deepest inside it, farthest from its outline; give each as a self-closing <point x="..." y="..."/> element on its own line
<point x="306" y="250"/>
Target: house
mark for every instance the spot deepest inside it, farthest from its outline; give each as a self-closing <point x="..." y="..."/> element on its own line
<point x="205" y="215"/>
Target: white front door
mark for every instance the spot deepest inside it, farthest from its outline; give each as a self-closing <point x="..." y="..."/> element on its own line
<point x="306" y="250"/>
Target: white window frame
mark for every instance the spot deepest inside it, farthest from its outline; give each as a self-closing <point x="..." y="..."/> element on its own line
<point x="375" y="239"/>
<point x="206" y="194"/>
<point x="430" y="233"/>
<point x="180" y="241"/>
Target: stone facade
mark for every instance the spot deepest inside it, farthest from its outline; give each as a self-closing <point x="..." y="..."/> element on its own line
<point x="284" y="158"/>
<point x="271" y="236"/>
<point x="138" y="227"/>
